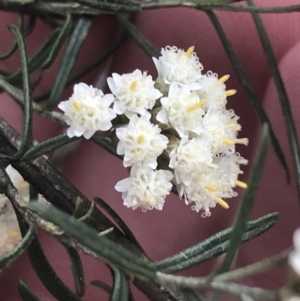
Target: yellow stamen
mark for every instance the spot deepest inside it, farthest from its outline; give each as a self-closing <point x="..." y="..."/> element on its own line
<point x="195" y="106"/>
<point x="211" y="187"/>
<point x="133" y="86"/>
<point x="189" y="51"/>
<point x="222" y="203"/>
<point x="77" y="105"/>
<point x="230" y="92"/>
<point x="244" y="141"/>
<point x="224" y="78"/>
<point x="241" y="184"/>
<point x="12" y="234"/>
<point x="229" y="141"/>
<point x="140" y="138"/>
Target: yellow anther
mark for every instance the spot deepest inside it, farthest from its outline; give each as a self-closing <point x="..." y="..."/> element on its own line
<point x="140" y="138"/>
<point x="229" y="141"/>
<point x="241" y="184"/>
<point x="211" y="187"/>
<point x="244" y="141"/>
<point x="195" y="106"/>
<point x="222" y="203"/>
<point x="12" y="234"/>
<point x="224" y="78"/>
<point x="190" y="50"/>
<point x="77" y="105"/>
<point x="230" y="92"/>
<point x="133" y="86"/>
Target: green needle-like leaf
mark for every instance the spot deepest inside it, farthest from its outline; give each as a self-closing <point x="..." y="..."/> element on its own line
<point x="27" y="116"/>
<point x="63" y="33"/>
<point x="115" y="216"/>
<point x="101" y="245"/>
<point x="240" y="224"/>
<point x="68" y="61"/>
<point x="77" y="270"/>
<point x="102" y="285"/>
<point x="120" y="288"/>
<point x="283" y="97"/>
<point x="22" y="246"/>
<point x="245" y="83"/>
<point x="214" y="246"/>
<point x="47" y="146"/>
<point x="26" y="293"/>
<point x="106" y="144"/>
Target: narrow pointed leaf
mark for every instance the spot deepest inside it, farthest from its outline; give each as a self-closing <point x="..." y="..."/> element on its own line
<point x="115" y="216"/>
<point x="27" y="115"/>
<point x="47" y="146"/>
<point x="240" y="224"/>
<point x="120" y="288"/>
<point x="245" y="83"/>
<point x="77" y="271"/>
<point x="26" y="293"/>
<point x="88" y="237"/>
<point x="102" y="285"/>
<point x="44" y="270"/>
<point x="214" y="246"/>
<point x="68" y="61"/>
<point x="283" y="97"/>
<point x="63" y="33"/>
<point x="18" y="250"/>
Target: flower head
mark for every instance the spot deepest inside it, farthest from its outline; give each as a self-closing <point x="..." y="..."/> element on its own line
<point x="140" y="141"/>
<point x="134" y="92"/>
<point x="177" y="65"/>
<point x="87" y="111"/>
<point x="145" y="188"/>
<point x="182" y="109"/>
<point x="188" y="157"/>
<point x="294" y="257"/>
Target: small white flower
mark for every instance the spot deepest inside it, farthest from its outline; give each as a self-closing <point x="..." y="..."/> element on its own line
<point x="177" y="65"/>
<point x="190" y="156"/>
<point x="145" y="188"/>
<point x="141" y="141"/>
<point x="222" y="129"/>
<point x="87" y="111"/>
<point x="134" y="92"/>
<point x="294" y="257"/>
<point x="182" y="109"/>
<point x="213" y="90"/>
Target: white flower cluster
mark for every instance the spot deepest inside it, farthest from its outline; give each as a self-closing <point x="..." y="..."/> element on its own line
<point x="181" y="118"/>
<point x="294" y="257"/>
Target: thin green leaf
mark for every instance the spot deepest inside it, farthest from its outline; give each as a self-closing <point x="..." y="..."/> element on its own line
<point x="37" y="59"/>
<point x="102" y="285"/>
<point x="120" y="288"/>
<point x="27" y="116"/>
<point x="214" y="246"/>
<point x="90" y="66"/>
<point x="112" y="6"/>
<point x="77" y="271"/>
<point x="22" y="246"/>
<point x="115" y="216"/>
<point x="137" y="36"/>
<point x="107" y="144"/>
<point x="63" y="33"/>
<point x="245" y="83"/>
<point x="240" y="224"/>
<point x="14" y="46"/>
<point x="26" y="293"/>
<point x="192" y="295"/>
<point x="44" y="270"/>
<point x="101" y="245"/>
<point x="283" y="97"/>
<point x="68" y="61"/>
<point x="47" y="146"/>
